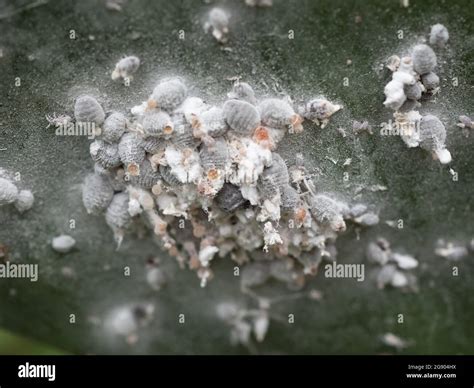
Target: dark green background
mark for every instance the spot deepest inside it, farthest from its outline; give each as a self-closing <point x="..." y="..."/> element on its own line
<point x="352" y="315"/>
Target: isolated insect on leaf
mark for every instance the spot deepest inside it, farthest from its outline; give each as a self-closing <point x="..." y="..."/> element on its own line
<point x="63" y="243"/>
<point x="218" y="24"/>
<point x="97" y="193"/>
<point x="125" y="68"/>
<point x="8" y="192"/>
<point x="439" y="35"/>
<point x="24" y="201"/>
<point x="88" y="110"/>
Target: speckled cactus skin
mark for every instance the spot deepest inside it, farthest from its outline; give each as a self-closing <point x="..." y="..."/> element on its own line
<point x="429" y="208"/>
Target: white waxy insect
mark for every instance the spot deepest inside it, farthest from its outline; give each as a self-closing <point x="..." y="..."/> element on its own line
<point x="184" y="164"/>
<point x="274" y="177"/>
<point x="367" y="219"/>
<point x="114" y="127"/>
<point x="105" y="154"/>
<point x="227" y="311"/>
<point x="358" y="209"/>
<point x="122" y="322"/>
<point x="241" y="116"/>
<point x="117" y="216"/>
<point x="134" y="208"/>
<point x="395" y="95"/>
<point x="278" y="113"/>
<point x="229" y="198"/>
<point x="213" y="122"/>
<point x="206" y="254"/>
<point x="270" y="236"/>
<point x="126" y="67"/>
<point x="451" y="251"/>
<point x="114" y="5"/>
<point x="63" y="243"/>
<point x="254" y="274"/>
<point x="154" y="145"/>
<point x="261" y="322"/>
<point x="88" y="110"/>
<point x="8" y="192"/>
<point x="24" y="201"/>
<point x="168" y="176"/>
<point x="156" y="278"/>
<point x="218" y="23"/>
<point x="394" y="341"/>
<point x="430" y="80"/>
<point x="243" y="91"/>
<point x="409" y="121"/>
<point x="186" y="139"/>
<point x="320" y="110"/>
<point x="433" y="137"/>
<point x="131" y="152"/>
<point x="413" y="92"/>
<point x="191" y="109"/>
<point x="127" y="320"/>
<point x="395" y="90"/>
<point x="290" y="198"/>
<point x="465" y="122"/>
<point x="147" y="177"/>
<point x="215" y="156"/>
<point x="399" y="280"/>
<point x="143" y="197"/>
<point x="157" y="124"/>
<point x="97" y="193"/>
<point x="328" y="211"/>
<point x="405" y="262"/>
<point x="393" y="62"/>
<point x="424" y="59"/>
<point x="439" y="35"/>
<point x="259" y="3"/>
<point x="168" y="94"/>
<point x="385" y="275"/>
<point x="377" y="253"/>
<point x="183" y="136"/>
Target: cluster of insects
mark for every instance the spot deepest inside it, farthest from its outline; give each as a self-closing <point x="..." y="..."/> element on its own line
<point x="394" y="268"/>
<point x="10" y="194"/>
<point x="208" y="182"/>
<point x="413" y="76"/>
